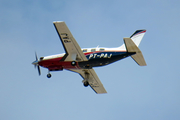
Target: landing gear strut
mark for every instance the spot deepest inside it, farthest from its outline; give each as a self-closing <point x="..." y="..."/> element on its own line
<point x="48" y="75"/>
<point x="85" y="81"/>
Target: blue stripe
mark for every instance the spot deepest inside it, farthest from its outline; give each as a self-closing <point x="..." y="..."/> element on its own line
<point x="137" y="32"/>
<point x="103" y="55"/>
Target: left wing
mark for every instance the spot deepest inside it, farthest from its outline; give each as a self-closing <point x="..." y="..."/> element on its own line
<point x="92" y="79"/>
<point x="73" y="51"/>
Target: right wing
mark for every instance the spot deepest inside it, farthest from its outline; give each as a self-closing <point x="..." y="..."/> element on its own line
<point x="73" y="51"/>
<point x="92" y="79"/>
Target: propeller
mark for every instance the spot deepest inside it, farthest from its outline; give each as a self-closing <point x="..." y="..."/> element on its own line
<point x="35" y="63"/>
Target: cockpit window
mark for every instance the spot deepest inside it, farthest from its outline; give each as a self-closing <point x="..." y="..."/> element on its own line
<point x="92" y="50"/>
<point x="84" y="50"/>
<point x="41" y="58"/>
<point x="101" y="49"/>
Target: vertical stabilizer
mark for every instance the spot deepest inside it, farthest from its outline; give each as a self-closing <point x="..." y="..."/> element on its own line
<point x="137" y="36"/>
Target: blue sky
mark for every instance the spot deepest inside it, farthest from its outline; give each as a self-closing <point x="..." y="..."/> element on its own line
<point x="134" y="92"/>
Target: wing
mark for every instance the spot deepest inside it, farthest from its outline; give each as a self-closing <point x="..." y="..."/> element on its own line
<point x="92" y="79"/>
<point x="73" y="51"/>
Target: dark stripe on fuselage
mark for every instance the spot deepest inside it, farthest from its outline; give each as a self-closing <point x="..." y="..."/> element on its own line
<point x="103" y="58"/>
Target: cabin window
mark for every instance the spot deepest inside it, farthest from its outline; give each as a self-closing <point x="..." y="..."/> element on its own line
<point x="84" y="50"/>
<point x="101" y="49"/>
<point x="92" y="50"/>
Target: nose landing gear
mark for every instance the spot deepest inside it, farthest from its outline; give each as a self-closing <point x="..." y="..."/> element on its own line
<point x="48" y="75"/>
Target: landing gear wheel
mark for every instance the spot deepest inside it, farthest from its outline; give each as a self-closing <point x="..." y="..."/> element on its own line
<point x="86" y="84"/>
<point x="48" y="75"/>
<point x="73" y="63"/>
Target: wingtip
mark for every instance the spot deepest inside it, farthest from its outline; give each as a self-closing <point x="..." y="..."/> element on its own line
<point x="57" y="21"/>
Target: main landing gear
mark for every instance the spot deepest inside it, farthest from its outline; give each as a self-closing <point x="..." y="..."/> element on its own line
<point x="85" y="81"/>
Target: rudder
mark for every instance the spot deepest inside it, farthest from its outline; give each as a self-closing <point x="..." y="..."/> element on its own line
<point x="137" y="36"/>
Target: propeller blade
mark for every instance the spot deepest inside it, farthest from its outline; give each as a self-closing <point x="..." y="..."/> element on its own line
<point x="36" y="64"/>
<point x="39" y="71"/>
<point x="36" y="56"/>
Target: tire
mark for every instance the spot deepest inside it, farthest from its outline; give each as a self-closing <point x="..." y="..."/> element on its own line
<point x="48" y="75"/>
<point x="86" y="84"/>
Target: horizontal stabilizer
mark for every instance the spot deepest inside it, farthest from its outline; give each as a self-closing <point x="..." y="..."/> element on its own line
<point x="132" y="48"/>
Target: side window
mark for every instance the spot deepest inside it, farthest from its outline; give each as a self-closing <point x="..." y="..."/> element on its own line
<point x="101" y="49"/>
<point x="92" y="50"/>
<point x="84" y="50"/>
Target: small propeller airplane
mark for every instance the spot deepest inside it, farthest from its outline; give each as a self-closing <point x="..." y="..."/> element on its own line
<point x="82" y="61"/>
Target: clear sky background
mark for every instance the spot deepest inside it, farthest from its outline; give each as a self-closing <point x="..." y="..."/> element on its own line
<point x="134" y="92"/>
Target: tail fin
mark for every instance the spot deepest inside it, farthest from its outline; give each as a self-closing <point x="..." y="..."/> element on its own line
<point x="136" y="38"/>
<point x="132" y="48"/>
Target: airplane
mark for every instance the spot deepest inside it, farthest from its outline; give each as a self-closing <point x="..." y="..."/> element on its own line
<point x="83" y="60"/>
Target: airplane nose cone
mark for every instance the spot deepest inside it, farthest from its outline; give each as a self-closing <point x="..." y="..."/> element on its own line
<point x="35" y="62"/>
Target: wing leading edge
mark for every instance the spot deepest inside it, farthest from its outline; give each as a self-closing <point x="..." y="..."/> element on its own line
<point x="92" y="79"/>
<point x="73" y="51"/>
